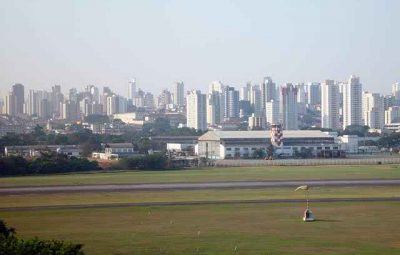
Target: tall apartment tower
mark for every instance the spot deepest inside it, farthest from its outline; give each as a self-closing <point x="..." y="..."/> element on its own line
<point x="352" y="102"/>
<point x="217" y="86"/>
<point x="268" y="89"/>
<point x="272" y="112"/>
<point x="330" y="105"/>
<point x="245" y="92"/>
<point x="373" y="110"/>
<point x="214" y="108"/>
<point x="314" y="93"/>
<point x="9" y="104"/>
<point x="396" y="91"/>
<point x="392" y="115"/>
<point x="132" y="89"/>
<point x="178" y="93"/>
<point x="196" y="115"/>
<point x="288" y="107"/>
<point x="256" y="100"/>
<point x="19" y="97"/>
<point x="231" y="103"/>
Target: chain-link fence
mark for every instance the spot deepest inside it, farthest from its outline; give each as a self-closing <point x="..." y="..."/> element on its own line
<point x="308" y="162"/>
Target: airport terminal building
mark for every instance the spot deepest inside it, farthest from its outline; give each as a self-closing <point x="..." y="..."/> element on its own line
<point x="242" y="144"/>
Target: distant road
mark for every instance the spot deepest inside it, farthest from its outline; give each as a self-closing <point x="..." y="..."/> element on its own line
<point x="209" y="202"/>
<point x="192" y="186"/>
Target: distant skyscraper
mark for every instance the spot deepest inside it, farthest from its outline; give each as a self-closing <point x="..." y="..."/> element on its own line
<point x="396" y="91"/>
<point x="301" y="98"/>
<point x="213" y="108"/>
<point x="352" y="102"/>
<point x="164" y="99"/>
<point x="148" y="100"/>
<point x="132" y="89"/>
<point x="288" y="107"/>
<point x="179" y="93"/>
<point x="10" y="104"/>
<point x="19" y="97"/>
<point x="231" y="98"/>
<point x="70" y="110"/>
<point x="112" y="105"/>
<point x="1" y="106"/>
<point x="314" y="93"/>
<point x="32" y="104"/>
<point x="245" y="92"/>
<point x="196" y="113"/>
<point x="272" y="112"/>
<point x="392" y="115"/>
<point x="217" y="86"/>
<point x="373" y="110"/>
<point x="268" y="90"/>
<point x="330" y="105"/>
<point x="256" y="100"/>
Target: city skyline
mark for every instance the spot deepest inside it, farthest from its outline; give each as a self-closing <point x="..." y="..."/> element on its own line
<point x="104" y="44"/>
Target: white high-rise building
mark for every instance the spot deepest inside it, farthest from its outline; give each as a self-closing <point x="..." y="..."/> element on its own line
<point x="373" y="110"/>
<point x="352" y="102"/>
<point x="132" y="89"/>
<point x="288" y="107"/>
<point x="272" y="112"/>
<point x="330" y="105"/>
<point x="392" y="115"/>
<point x="196" y="113"/>
<point x="178" y="94"/>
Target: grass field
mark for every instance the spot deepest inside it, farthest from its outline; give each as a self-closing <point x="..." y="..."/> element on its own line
<point x="343" y="228"/>
<point x="211" y="174"/>
<point x="193" y="195"/>
<point x="277" y="228"/>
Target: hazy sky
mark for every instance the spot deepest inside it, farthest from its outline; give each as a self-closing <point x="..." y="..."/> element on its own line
<point x="75" y="43"/>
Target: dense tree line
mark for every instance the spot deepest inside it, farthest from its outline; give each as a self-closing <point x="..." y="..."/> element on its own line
<point x="12" y="166"/>
<point x="10" y="244"/>
<point x="156" y="161"/>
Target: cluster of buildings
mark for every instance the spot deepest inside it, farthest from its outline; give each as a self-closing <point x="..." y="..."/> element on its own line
<point x="329" y="104"/>
<point x="337" y="104"/>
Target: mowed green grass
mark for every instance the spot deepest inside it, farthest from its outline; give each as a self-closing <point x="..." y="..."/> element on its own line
<point x="211" y="174"/>
<point x="342" y="228"/>
<point x="45" y="199"/>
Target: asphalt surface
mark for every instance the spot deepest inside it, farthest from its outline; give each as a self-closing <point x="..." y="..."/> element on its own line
<point x="183" y="203"/>
<point x="193" y="186"/>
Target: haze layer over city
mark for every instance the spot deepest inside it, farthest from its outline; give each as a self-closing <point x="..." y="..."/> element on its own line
<point x="107" y="43"/>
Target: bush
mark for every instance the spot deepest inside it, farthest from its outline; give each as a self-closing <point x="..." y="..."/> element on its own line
<point x="155" y="161"/>
<point x="11" y="245"/>
<point x="45" y="165"/>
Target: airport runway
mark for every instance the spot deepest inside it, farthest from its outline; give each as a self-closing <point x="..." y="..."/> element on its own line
<point x="193" y="186"/>
<point x="209" y="202"/>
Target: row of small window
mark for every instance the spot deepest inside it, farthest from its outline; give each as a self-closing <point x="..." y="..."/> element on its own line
<point x="120" y="150"/>
<point x="238" y="149"/>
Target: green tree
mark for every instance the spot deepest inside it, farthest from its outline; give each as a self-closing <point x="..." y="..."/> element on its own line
<point x="10" y="244"/>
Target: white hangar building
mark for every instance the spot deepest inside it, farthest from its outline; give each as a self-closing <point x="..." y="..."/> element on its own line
<point x="242" y="144"/>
